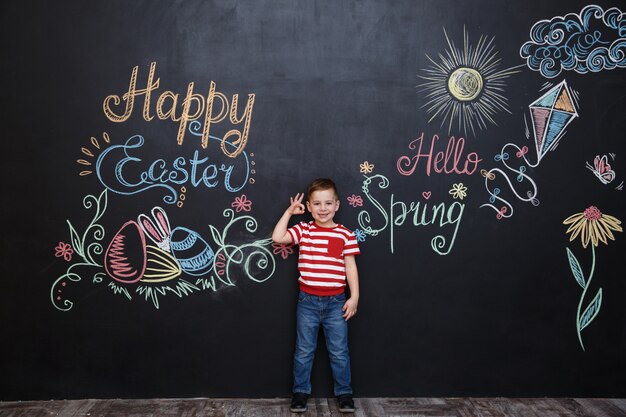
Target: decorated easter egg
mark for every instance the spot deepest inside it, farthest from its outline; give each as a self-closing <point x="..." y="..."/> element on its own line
<point x="192" y="252"/>
<point x="125" y="258"/>
<point x="160" y="265"/>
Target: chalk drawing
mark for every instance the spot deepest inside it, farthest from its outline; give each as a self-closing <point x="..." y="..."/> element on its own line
<point x="602" y="169"/>
<point x="86" y="249"/>
<point x="550" y="115"/>
<point x="592" y="41"/>
<point x="593" y="227"/>
<point x="131" y="264"/>
<point x="464" y="86"/>
<point x="366" y="167"/>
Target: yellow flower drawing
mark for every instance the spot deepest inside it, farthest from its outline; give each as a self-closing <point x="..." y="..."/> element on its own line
<point x="366" y="167"/>
<point x="458" y="191"/>
<point x="592" y="225"/>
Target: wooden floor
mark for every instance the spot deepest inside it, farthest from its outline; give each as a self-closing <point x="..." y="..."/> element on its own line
<point x="378" y="407"/>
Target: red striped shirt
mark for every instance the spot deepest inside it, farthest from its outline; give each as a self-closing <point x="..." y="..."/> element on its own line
<point x="321" y="257"/>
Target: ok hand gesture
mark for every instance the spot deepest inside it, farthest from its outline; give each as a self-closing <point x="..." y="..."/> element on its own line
<point x="296" y="206"/>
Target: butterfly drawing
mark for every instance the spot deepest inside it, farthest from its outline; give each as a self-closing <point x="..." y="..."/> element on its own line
<point x="602" y="169"/>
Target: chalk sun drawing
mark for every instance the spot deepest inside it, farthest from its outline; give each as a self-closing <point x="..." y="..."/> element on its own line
<point x="464" y="87"/>
<point x="593" y="227"/>
<point x="550" y="115"/>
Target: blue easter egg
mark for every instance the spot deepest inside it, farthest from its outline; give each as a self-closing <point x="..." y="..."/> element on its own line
<point x="192" y="252"/>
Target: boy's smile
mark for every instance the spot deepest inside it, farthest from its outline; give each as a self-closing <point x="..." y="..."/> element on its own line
<point x="323" y="204"/>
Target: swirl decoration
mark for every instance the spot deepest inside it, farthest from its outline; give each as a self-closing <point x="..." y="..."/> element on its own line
<point x="592" y="41"/>
<point x="364" y="216"/>
<point x="506" y="211"/>
<point x="252" y="257"/>
<point x="87" y="251"/>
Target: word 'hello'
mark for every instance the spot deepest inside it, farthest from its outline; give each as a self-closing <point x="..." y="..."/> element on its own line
<point x="166" y="107"/>
<point x="448" y="162"/>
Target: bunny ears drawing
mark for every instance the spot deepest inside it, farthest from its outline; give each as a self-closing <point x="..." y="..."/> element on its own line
<point x="157" y="228"/>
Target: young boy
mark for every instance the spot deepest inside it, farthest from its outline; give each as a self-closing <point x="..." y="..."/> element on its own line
<point x="325" y="262"/>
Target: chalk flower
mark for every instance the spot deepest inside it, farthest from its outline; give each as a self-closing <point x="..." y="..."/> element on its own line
<point x="592" y="225"/>
<point x="360" y="235"/>
<point x="366" y="167"/>
<point x="458" y="191"/>
<point x="242" y="203"/>
<point x="64" y="250"/>
<point x="283" y="250"/>
<point x="355" y="200"/>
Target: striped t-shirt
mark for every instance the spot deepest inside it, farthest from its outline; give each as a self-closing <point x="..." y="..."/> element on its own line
<point x="321" y="257"/>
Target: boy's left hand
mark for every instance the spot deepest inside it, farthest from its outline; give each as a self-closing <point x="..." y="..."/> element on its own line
<point x="349" y="309"/>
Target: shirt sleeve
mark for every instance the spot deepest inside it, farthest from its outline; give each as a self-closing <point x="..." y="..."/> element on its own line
<point x="296" y="233"/>
<point x="352" y="246"/>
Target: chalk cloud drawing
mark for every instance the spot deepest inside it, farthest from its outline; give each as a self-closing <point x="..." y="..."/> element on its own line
<point x="550" y="115"/>
<point x="592" y="41"/>
<point x="593" y="227"/>
<point x="464" y="86"/>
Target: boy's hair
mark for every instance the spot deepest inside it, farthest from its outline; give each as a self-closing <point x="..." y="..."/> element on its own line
<point x="321" y="184"/>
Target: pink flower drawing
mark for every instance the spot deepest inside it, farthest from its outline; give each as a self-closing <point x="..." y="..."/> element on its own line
<point x="242" y="204"/>
<point x="64" y="250"/>
<point x="355" y="200"/>
<point x="283" y="250"/>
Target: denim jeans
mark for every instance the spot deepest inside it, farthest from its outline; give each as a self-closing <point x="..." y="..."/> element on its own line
<point x="312" y="312"/>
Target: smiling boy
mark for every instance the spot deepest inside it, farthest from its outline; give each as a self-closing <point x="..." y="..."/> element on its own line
<point x="326" y="264"/>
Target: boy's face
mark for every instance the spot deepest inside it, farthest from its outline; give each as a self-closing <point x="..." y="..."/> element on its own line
<point x="323" y="205"/>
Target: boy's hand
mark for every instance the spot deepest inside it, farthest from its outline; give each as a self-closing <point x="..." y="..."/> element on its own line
<point x="296" y="206"/>
<point x="349" y="308"/>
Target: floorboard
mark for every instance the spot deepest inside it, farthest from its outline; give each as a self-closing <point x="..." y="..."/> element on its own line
<point x="321" y="407"/>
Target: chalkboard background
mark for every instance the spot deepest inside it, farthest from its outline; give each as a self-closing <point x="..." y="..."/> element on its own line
<point x="340" y="89"/>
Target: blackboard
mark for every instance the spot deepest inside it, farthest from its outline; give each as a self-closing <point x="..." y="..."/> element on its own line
<point x="150" y="147"/>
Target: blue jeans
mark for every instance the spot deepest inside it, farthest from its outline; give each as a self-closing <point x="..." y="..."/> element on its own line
<point x="312" y="312"/>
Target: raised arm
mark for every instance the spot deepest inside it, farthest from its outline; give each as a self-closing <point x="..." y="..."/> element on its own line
<point x="280" y="234"/>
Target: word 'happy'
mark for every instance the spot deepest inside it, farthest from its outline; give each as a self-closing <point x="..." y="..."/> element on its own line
<point x="167" y="106"/>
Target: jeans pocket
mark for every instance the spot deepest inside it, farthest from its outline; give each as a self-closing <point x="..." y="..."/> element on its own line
<point x="302" y="296"/>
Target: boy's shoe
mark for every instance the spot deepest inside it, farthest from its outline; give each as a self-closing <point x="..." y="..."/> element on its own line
<point x="346" y="404"/>
<point x="298" y="402"/>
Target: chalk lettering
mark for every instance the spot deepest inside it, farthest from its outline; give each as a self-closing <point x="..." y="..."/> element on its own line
<point x="193" y="107"/>
<point x="451" y="158"/>
<point x="398" y="213"/>
<point x="132" y="175"/>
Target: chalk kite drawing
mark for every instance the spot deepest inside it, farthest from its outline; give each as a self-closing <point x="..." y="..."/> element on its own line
<point x="550" y="115"/>
<point x="463" y="88"/>
<point x="592" y="226"/>
<point x="148" y="257"/>
<point x="592" y="41"/>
